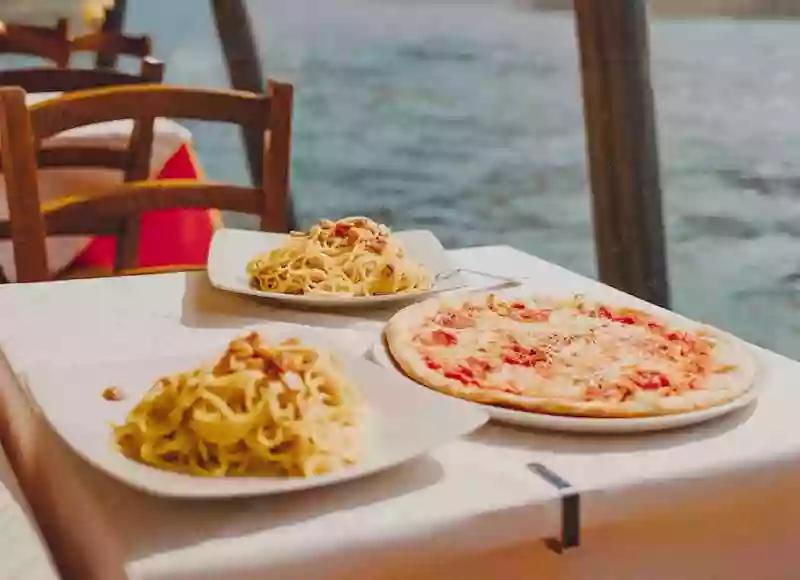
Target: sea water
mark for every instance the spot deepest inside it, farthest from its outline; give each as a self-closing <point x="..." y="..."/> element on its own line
<point x="465" y="118"/>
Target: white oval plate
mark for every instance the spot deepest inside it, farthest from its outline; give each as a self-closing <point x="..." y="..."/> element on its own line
<point x="71" y="399"/>
<point x="232" y="249"/>
<point x="380" y="354"/>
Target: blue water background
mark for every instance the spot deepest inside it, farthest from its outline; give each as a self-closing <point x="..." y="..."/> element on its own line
<point x="466" y="118"/>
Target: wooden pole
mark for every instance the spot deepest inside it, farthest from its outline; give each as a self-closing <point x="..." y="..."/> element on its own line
<point x="239" y="48"/>
<point x="113" y="23"/>
<point x="621" y="141"/>
<point x="235" y="32"/>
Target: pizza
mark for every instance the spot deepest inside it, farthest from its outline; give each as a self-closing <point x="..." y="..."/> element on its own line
<point x="567" y="356"/>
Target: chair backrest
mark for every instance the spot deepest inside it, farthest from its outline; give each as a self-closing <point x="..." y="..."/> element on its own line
<point x="61" y="80"/>
<point x="22" y="130"/>
<point x="54" y="43"/>
<point x="65" y="80"/>
<point x="49" y="43"/>
<point x="113" y="44"/>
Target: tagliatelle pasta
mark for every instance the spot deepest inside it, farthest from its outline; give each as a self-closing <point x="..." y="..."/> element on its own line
<point x="353" y="256"/>
<point x="263" y="409"/>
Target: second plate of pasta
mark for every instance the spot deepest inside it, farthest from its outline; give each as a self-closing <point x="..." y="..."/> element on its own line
<point x="266" y="413"/>
<point x="330" y="265"/>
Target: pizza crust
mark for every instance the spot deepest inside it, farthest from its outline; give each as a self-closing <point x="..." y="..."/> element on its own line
<point x="718" y="390"/>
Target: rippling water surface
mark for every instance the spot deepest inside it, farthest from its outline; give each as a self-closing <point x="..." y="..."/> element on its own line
<point x="465" y="118"/>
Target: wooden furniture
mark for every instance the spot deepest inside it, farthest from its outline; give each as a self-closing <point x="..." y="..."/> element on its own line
<point x="22" y="130"/>
<point x="137" y="46"/>
<point x="188" y="231"/>
<point x="62" y="80"/>
<point x="54" y="43"/>
<point x="240" y="51"/>
<point x="170" y="240"/>
<point x="48" y="43"/>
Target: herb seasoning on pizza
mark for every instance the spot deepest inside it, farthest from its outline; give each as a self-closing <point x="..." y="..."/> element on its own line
<point x="569" y="357"/>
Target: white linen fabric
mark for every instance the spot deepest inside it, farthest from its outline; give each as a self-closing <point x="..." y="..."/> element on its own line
<point x="56" y="183"/>
<point x="472" y="498"/>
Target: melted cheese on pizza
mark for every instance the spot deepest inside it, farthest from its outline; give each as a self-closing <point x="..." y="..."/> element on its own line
<point x="563" y="349"/>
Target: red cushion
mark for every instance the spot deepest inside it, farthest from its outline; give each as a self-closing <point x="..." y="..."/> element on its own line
<point x="169" y="237"/>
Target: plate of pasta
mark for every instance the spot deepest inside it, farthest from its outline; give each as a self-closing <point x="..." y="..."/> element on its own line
<point x="351" y="261"/>
<point x="268" y="413"/>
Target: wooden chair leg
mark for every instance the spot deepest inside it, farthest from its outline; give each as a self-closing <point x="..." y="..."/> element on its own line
<point x="128" y="238"/>
<point x="3" y="278"/>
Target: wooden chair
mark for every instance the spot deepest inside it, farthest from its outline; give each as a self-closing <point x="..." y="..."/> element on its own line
<point x="22" y="130"/>
<point x="62" y="80"/>
<point x="48" y="43"/>
<point x="113" y="45"/>
<point x="67" y="80"/>
<point x="55" y="45"/>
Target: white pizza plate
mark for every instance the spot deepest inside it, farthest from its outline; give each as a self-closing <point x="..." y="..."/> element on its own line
<point x="380" y="354"/>
<point x="405" y="420"/>
<point x="232" y="249"/>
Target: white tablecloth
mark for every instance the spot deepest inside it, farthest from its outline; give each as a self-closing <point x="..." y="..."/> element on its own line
<point x="55" y="183"/>
<point x="468" y="510"/>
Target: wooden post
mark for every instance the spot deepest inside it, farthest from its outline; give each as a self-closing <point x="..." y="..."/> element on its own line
<point x="621" y="141"/>
<point x="244" y="69"/>
<point x="113" y="23"/>
<point x="240" y="50"/>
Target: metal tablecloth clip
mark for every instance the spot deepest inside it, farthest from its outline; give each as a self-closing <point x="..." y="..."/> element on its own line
<point x="570" y="509"/>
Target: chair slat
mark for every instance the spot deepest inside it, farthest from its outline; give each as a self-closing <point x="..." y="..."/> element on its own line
<point x="49" y="43"/>
<point x="87" y="215"/>
<point x="54" y="43"/>
<point x="46" y="80"/>
<point x="78" y="157"/>
<point x="60" y="80"/>
<point x="130" y="102"/>
<point x="73" y="156"/>
<point x="100" y="214"/>
<point x="117" y="44"/>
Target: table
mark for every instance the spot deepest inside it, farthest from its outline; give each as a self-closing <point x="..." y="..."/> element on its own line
<point x="723" y="493"/>
<point x="169" y="137"/>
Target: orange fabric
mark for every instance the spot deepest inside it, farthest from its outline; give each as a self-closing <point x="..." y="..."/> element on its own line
<point x="169" y="237"/>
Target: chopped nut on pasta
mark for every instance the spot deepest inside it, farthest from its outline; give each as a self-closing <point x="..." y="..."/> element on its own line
<point x="353" y="256"/>
<point x="263" y="409"/>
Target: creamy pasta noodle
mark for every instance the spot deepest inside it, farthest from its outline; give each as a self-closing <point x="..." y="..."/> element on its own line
<point x="353" y="256"/>
<point x="263" y="409"/>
